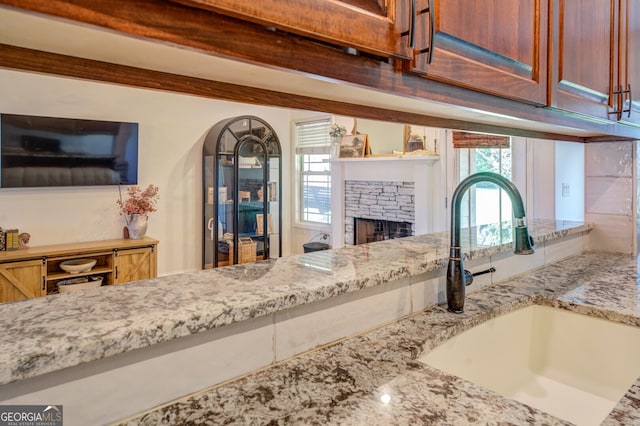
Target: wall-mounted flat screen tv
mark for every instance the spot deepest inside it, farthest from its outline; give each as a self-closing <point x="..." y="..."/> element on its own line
<point x="47" y="151"/>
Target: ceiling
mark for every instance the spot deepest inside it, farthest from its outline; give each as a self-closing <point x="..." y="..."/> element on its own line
<point x="49" y="34"/>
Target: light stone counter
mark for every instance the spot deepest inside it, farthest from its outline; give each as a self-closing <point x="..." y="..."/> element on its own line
<point x="374" y="378"/>
<point x="109" y="353"/>
<point x="51" y="333"/>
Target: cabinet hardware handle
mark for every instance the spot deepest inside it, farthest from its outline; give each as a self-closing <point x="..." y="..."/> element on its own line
<point x="617" y="92"/>
<point x="627" y="96"/>
<point x="412" y="28"/>
<point x="411" y="32"/>
<point x="432" y="30"/>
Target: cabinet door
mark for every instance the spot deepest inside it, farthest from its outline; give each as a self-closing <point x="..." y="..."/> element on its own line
<point x="493" y="46"/>
<point x="584" y="66"/>
<point x="630" y="53"/>
<point x="374" y="26"/>
<point x="252" y="174"/>
<point x="21" y="280"/>
<point x="135" y="264"/>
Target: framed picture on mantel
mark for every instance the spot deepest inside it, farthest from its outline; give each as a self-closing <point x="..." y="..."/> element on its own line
<point x="353" y="146"/>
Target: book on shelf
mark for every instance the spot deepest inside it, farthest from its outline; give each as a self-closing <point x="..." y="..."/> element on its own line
<point x="11" y="239"/>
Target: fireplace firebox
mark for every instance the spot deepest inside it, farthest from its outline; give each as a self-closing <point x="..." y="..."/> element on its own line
<point x="371" y="230"/>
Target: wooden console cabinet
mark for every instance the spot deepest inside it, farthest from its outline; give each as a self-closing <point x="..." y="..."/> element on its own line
<point x="35" y="271"/>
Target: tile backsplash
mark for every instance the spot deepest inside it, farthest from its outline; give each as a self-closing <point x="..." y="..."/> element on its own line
<point x="610" y="196"/>
<point x="613" y="159"/>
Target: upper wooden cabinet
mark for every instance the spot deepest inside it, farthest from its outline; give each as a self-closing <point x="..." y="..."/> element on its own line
<point x="596" y="63"/>
<point x="380" y="27"/>
<point x="493" y="46"/>
<point x="584" y="67"/>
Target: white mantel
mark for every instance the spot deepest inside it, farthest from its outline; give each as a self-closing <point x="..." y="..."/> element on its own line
<point x="417" y="169"/>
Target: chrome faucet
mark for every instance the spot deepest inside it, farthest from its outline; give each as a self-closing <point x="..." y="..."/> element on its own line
<point x="457" y="277"/>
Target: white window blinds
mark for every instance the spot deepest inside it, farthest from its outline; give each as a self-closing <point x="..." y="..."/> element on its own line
<point x="313" y="137"/>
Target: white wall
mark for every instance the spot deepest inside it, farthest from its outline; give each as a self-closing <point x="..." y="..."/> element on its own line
<point x="384" y="137"/>
<point x="521" y="164"/>
<point x="569" y="180"/>
<point x="171" y="129"/>
<point x="540" y="178"/>
<point x="540" y="167"/>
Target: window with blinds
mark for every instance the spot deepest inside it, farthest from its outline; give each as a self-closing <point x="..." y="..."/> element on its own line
<point x="486" y="209"/>
<point x="314" y="171"/>
<point x="312" y="137"/>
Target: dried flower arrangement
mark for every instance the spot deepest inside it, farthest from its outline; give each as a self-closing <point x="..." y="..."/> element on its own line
<point x="140" y="201"/>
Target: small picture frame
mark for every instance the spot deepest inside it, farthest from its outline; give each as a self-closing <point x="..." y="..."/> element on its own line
<point x="353" y="146"/>
<point x="412" y="142"/>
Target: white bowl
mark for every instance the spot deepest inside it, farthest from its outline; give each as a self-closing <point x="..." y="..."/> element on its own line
<point x="76" y="266"/>
<point x="75" y="284"/>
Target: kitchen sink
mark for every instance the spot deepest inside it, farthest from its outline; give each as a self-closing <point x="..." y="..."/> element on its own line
<point x="572" y="366"/>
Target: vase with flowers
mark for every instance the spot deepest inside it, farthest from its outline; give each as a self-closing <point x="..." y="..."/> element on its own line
<point x="336" y="132"/>
<point x="136" y="208"/>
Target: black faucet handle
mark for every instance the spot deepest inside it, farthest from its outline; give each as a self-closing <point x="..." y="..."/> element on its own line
<point x="486" y="271"/>
<point x="468" y="275"/>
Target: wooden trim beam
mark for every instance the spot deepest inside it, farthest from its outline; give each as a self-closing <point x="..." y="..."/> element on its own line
<point x="18" y="58"/>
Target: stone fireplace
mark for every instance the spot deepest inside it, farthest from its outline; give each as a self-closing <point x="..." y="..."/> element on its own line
<point x="378" y="201"/>
<point x="382" y="188"/>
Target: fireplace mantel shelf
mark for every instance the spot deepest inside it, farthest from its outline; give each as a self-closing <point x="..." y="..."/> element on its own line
<point x="429" y="158"/>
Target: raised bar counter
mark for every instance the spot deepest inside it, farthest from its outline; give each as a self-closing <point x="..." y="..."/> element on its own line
<point x="47" y="336"/>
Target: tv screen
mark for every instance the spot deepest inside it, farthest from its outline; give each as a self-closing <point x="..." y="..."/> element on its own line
<point x="48" y="151"/>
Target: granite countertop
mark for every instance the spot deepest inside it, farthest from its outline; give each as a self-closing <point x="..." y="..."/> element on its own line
<point x="50" y="333"/>
<point x="343" y="383"/>
<point x="54" y="332"/>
